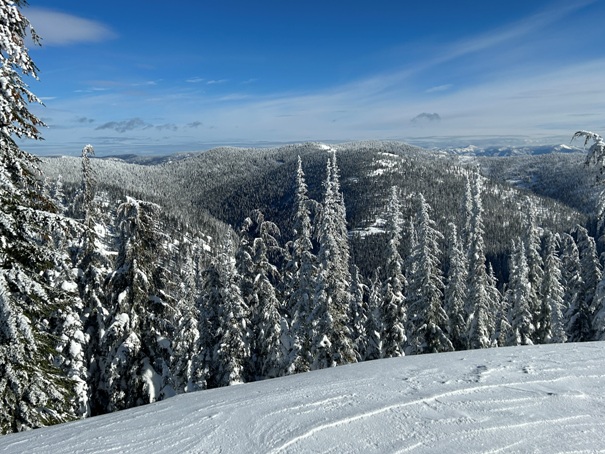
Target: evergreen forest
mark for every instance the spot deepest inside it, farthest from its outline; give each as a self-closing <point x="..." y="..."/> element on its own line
<point x="127" y="281"/>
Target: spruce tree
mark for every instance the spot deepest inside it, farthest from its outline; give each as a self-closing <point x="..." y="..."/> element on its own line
<point x="478" y="300"/>
<point x="34" y="307"/>
<point x="187" y="359"/>
<point x="302" y="271"/>
<point x="580" y="316"/>
<point x="571" y="274"/>
<point x="136" y="341"/>
<point x="331" y="336"/>
<point x="553" y="292"/>
<point x="267" y="351"/>
<point x="359" y="313"/>
<point x="394" y="313"/>
<point x="455" y="291"/>
<point x="535" y="274"/>
<point x="521" y="319"/>
<point x="427" y="321"/>
<point x="231" y="349"/>
<point x="374" y="325"/>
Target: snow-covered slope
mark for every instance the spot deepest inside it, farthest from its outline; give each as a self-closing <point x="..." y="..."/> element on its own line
<point x="522" y="399"/>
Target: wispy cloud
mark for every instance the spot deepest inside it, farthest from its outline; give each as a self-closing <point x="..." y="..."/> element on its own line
<point x="84" y="120"/>
<point x="511" y="32"/>
<point x="126" y="125"/>
<point x="439" y="88"/>
<point x="61" y="29"/>
<point x="424" y="117"/>
<point x="195" y="80"/>
<point x="216" y="81"/>
<point x="167" y="127"/>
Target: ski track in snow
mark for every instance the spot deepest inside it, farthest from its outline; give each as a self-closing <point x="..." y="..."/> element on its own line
<point x="507" y="400"/>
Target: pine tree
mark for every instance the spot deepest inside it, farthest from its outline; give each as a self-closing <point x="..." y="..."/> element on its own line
<point x="136" y="341"/>
<point x="478" y="299"/>
<point x="33" y="307"/>
<point x="302" y="270"/>
<point x="596" y="152"/>
<point x="331" y="337"/>
<point x="226" y="332"/>
<point x="394" y="314"/>
<point x="535" y="274"/>
<point x="571" y="273"/>
<point x="267" y="352"/>
<point x="553" y="292"/>
<point x="468" y="207"/>
<point x="455" y="291"/>
<point x="187" y="358"/>
<point x="374" y="325"/>
<point x="580" y="316"/>
<point x="15" y="117"/>
<point x="427" y="320"/>
<point x="495" y="298"/>
<point x="521" y="319"/>
<point x="359" y="313"/>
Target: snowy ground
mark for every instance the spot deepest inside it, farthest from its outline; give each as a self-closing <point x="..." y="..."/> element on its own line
<point x="526" y="399"/>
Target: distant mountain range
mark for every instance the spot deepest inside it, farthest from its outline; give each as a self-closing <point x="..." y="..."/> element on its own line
<point x="511" y="150"/>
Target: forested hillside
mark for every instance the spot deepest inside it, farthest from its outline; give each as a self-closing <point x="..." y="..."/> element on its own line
<point x="230" y="183"/>
<point x="353" y="252"/>
<point x="122" y="284"/>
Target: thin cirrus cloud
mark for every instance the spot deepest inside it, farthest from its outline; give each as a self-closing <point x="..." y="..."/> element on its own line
<point x="61" y="29"/>
<point x="439" y="88"/>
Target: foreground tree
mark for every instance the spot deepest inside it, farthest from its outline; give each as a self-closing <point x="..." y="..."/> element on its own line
<point x="33" y="391"/>
<point x="301" y="272"/>
<point x="428" y="321"/>
<point x="553" y="292"/>
<point x="394" y="314"/>
<point x="521" y="318"/>
<point x="134" y="369"/>
<point x="455" y="291"/>
<point x="331" y="337"/>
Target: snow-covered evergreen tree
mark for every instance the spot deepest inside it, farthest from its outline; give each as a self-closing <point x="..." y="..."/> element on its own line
<point x="302" y="270"/>
<point x="535" y="274"/>
<point x="188" y="356"/>
<point x="374" y="326"/>
<point x="359" y="313"/>
<point x="428" y="321"/>
<point x="267" y="351"/>
<point x="36" y="301"/>
<point x="455" y="291"/>
<point x="571" y="274"/>
<point x="497" y="323"/>
<point x="136" y="342"/>
<point x="394" y="314"/>
<point x="518" y="294"/>
<point x="478" y="300"/>
<point x="225" y="331"/>
<point x="468" y="204"/>
<point x="15" y="117"/>
<point x="596" y="152"/>
<point x="553" y="292"/>
<point x="580" y="316"/>
<point x="331" y="343"/>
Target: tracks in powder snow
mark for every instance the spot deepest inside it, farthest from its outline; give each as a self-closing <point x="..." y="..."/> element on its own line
<point x="467" y="414"/>
<point x="535" y="399"/>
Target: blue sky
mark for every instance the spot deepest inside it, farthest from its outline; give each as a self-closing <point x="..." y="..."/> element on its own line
<point x="158" y="77"/>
